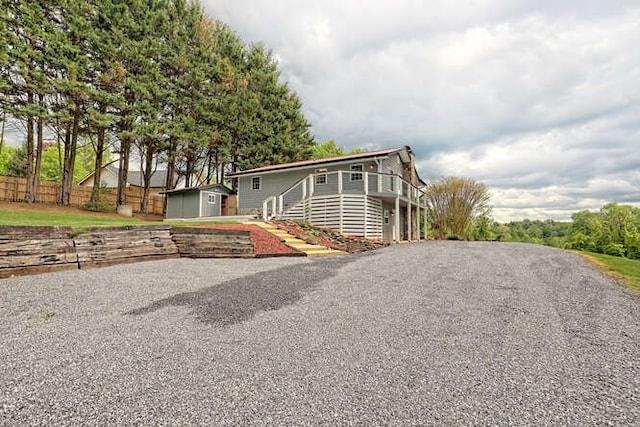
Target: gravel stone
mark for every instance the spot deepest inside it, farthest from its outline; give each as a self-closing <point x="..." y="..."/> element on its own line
<point x="426" y="333"/>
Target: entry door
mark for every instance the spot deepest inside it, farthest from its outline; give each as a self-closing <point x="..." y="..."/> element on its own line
<point x="387" y="223"/>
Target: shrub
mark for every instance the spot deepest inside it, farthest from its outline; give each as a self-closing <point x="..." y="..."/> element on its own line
<point x="615" y="249"/>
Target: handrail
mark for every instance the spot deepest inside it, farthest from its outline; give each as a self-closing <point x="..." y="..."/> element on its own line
<point x="413" y="193"/>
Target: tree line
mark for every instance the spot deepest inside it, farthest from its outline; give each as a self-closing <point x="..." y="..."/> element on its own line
<point x="156" y="80"/>
<point x="612" y="230"/>
<point x="459" y="208"/>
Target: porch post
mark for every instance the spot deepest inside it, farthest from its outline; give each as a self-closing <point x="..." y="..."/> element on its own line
<point x="425" y="225"/>
<point x="340" y="182"/>
<point x="366" y="183"/>
<point x="418" y="221"/>
<point x="341" y="211"/>
<point x="311" y="185"/>
<point x="274" y="206"/>
<point x="396" y="217"/>
<point x="366" y="203"/>
<point x="409" y="225"/>
<point x="265" y="209"/>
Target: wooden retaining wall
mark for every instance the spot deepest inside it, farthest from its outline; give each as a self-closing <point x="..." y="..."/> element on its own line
<point x="102" y="246"/>
<point x="33" y="250"/>
<point x="205" y="242"/>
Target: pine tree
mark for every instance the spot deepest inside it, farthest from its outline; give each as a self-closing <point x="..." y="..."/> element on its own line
<point x="27" y="27"/>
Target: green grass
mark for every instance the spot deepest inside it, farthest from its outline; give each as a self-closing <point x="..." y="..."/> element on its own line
<point x="624" y="269"/>
<point x="196" y="223"/>
<point x="90" y="219"/>
<point x="25" y="217"/>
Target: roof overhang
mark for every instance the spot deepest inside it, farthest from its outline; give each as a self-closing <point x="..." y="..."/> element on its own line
<point x="404" y="153"/>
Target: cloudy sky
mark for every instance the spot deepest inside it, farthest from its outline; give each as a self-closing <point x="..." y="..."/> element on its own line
<point x="538" y="99"/>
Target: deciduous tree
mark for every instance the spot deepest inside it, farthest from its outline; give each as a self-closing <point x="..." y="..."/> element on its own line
<point x="452" y="205"/>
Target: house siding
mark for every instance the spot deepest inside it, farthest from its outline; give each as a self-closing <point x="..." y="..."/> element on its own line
<point x="393" y="163"/>
<point x="349" y="207"/>
<point x="271" y="185"/>
<point x="275" y="183"/>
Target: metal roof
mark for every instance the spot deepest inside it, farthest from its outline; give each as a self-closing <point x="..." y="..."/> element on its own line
<point x="315" y="162"/>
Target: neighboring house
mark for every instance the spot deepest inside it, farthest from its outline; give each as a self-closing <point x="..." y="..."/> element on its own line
<point x="200" y="202"/>
<point x="376" y="194"/>
<point x="109" y="179"/>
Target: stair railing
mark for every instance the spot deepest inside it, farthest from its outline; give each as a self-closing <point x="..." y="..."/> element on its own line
<point x="274" y="206"/>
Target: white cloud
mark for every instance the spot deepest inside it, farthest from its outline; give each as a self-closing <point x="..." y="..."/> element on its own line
<point x="538" y="99"/>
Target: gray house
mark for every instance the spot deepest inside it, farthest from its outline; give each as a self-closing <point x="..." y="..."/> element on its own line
<point x="376" y="194"/>
<point x="200" y="202"/>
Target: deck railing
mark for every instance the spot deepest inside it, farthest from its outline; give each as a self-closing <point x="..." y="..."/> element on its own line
<point x="343" y="182"/>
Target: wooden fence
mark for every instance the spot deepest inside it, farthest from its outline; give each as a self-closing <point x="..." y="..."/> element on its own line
<point x="13" y="190"/>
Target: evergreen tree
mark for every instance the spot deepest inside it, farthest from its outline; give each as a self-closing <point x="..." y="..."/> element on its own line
<point x="157" y="75"/>
<point x="28" y="28"/>
<point x="107" y="78"/>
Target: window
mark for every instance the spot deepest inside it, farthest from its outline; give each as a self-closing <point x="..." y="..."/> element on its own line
<point x="321" y="176"/>
<point x="211" y="198"/>
<point x="356" y="172"/>
<point x="256" y="183"/>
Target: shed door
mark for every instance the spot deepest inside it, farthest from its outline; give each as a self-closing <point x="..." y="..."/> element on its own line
<point x="209" y="204"/>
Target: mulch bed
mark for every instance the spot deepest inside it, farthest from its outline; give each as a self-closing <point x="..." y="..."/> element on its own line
<point x="330" y="238"/>
<point x="265" y="244"/>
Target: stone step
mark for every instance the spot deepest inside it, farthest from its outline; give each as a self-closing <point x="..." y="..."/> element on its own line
<point x="299" y="244"/>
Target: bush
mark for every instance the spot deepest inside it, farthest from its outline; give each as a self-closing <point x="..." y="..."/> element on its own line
<point x="580" y="242"/>
<point x="615" y="249"/>
<point x="632" y="245"/>
<point x="99" y="203"/>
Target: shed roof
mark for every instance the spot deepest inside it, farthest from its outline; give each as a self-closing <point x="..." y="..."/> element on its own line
<point x="317" y="162"/>
<point x="218" y="188"/>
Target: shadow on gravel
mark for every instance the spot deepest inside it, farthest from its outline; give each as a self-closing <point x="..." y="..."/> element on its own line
<point x="240" y="299"/>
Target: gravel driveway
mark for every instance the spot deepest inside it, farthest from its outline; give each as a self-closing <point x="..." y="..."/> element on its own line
<point x="428" y="333"/>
